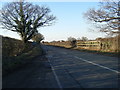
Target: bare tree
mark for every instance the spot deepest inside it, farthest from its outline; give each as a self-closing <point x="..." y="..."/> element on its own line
<point x="72" y="41"/>
<point x="84" y="39"/>
<point x="25" y="18"/>
<point x="107" y="17"/>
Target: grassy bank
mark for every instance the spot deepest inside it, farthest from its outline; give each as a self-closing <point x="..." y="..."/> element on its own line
<point x="112" y="54"/>
<point x="15" y="55"/>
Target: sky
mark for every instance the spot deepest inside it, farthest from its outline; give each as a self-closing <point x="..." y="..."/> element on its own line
<point x="69" y="23"/>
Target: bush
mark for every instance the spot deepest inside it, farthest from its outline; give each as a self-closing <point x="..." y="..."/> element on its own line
<point x="72" y="41"/>
<point x="15" y="54"/>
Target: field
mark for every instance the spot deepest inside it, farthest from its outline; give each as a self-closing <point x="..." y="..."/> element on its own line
<point x="110" y="50"/>
<point x="110" y="45"/>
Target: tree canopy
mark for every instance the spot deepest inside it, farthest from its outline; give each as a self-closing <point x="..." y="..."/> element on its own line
<point x="38" y="37"/>
<point x="25" y="18"/>
<point x="107" y="17"/>
<point x="71" y="39"/>
<point x="84" y="39"/>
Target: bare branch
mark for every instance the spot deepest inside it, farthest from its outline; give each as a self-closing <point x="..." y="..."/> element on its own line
<point x="25" y="18"/>
<point x="106" y="14"/>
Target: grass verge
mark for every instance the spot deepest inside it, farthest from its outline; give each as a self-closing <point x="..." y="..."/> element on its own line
<point x="112" y="54"/>
<point x="13" y="63"/>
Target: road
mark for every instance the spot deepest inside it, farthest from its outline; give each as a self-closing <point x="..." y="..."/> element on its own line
<point x="66" y="68"/>
<point x="35" y="74"/>
<point x="75" y="69"/>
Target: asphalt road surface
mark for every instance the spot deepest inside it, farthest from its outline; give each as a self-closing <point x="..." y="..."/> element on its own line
<point x="75" y="69"/>
<point x="66" y="68"/>
<point x="36" y="74"/>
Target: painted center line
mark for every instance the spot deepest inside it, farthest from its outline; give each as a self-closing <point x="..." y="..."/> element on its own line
<point x="97" y="64"/>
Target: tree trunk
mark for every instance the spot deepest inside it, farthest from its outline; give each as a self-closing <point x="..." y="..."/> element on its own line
<point x="24" y="39"/>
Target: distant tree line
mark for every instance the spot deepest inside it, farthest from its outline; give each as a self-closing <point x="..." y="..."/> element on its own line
<point x="110" y="44"/>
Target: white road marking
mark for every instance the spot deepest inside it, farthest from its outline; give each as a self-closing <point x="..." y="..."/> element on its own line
<point x="97" y="64"/>
<point x="56" y="77"/>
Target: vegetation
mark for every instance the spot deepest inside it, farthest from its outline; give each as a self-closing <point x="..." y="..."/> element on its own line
<point x="72" y="41"/>
<point x="15" y="55"/>
<point x="107" y="17"/>
<point x="84" y="39"/>
<point x="111" y="44"/>
<point x="25" y="18"/>
<point x="38" y="37"/>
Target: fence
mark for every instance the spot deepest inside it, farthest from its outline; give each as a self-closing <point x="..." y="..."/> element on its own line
<point x="92" y="45"/>
<point x="109" y="45"/>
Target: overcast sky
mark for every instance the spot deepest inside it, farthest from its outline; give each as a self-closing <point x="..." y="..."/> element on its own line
<point x="70" y="21"/>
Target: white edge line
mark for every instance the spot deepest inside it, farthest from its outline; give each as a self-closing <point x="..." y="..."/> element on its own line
<point x="97" y="64"/>
<point x="56" y="77"/>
